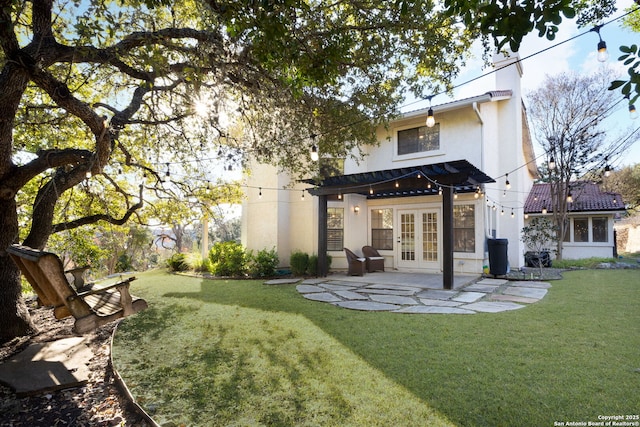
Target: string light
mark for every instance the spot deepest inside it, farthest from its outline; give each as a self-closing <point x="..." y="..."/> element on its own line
<point x="603" y="55"/>
<point x="513" y="215"/>
<point x="507" y="184"/>
<point x="552" y="163"/>
<point x="569" y="198"/>
<point x="544" y="210"/>
<point x="302" y="198"/>
<point x="314" y="153"/>
<point x="260" y="192"/>
<point x="370" y="190"/>
<point x="632" y="112"/>
<point x="431" y="121"/>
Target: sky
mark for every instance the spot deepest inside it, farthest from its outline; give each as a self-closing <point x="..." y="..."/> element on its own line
<point x="577" y="55"/>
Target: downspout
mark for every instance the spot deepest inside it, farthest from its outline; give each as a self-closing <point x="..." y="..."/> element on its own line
<point x="487" y="214"/>
<point x="476" y="109"/>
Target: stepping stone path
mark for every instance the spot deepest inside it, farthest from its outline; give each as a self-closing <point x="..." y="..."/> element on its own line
<point x="483" y="296"/>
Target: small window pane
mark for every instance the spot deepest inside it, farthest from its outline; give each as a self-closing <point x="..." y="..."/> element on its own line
<point x="600" y="229"/>
<point x="581" y="229"/>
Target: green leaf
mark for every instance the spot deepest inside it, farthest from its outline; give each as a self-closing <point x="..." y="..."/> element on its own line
<point x="616" y="84"/>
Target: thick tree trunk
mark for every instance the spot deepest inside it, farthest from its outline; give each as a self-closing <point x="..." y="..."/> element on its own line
<point x="14" y="316"/>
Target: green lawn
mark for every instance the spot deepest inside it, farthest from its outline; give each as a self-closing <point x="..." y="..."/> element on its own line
<point x="242" y="353"/>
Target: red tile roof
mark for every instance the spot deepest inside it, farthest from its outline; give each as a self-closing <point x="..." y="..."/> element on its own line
<point x="587" y="197"/>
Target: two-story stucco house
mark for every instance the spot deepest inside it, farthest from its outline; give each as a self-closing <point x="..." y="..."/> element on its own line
<point x="428" y="197"/>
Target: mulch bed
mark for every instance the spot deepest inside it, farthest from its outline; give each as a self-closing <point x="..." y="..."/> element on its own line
<point x="97" y="403"/>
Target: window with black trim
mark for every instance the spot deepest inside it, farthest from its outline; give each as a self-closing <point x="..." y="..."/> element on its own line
<point x="464" y="230"/>
<point x="419" y="139"/>
<point x="382" y="228"/>
<point x="335" y="229"/>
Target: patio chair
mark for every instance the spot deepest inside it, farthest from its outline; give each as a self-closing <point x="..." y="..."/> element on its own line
<point x="375" y="261"/>
<point x="356" y="264"/>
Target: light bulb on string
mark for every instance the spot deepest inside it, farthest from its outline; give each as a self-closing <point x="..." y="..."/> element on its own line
<point x="569" y="197"/>
<point x="314" y="148"/>
<point x="603" y="55"/>
<point x="552" y="163"/>
<point x="544" y="210"/>
<point x="507" y="184"/>
<point x="431" y="121"/>
<point x="260" y="192"/>
<point x="439" y="191"/>
<point x="632" y="112"/>
<point x="513" y="215"/>
<point x="302" y="198"/>
<point x="370" y="190"/>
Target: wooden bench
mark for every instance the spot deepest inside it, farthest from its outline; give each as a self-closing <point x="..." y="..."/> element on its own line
<point x="92" y="305"/>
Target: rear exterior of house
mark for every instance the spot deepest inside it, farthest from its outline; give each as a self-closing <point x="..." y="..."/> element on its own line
<point x="487" y="132"/>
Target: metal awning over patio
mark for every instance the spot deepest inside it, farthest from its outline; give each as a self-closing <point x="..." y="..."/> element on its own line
<point x="444" y="178"/>
<point x="460" y="176"/>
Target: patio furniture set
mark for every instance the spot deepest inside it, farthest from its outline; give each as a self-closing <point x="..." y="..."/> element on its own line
<point x="370" y="261"/>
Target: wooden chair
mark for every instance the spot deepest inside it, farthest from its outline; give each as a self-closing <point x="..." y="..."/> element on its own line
<point x="92" y="305"/>
<point x="375" y="261"/>
<point x="355" y="263"/>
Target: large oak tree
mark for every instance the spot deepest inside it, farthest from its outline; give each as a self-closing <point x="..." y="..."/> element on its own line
<point x="97" y="98"/>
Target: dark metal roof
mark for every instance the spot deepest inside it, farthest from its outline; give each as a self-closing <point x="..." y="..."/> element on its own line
<point x="587" y="197"/>
<point x="404" y="182"/>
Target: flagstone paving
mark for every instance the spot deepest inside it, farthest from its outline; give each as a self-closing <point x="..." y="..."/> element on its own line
<point x="407" y="293"/>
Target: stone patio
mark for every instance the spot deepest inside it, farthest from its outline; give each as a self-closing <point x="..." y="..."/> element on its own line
<point x="422" y="293"/>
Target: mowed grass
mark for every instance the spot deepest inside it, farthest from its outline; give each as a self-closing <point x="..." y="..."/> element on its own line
<point x="242" y="353"/>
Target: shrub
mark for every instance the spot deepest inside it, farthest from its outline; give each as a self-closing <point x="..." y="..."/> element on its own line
<point x="299" y="263"/>
<point x="228" y="259"/>
<point x="178" y="262"/>
<point x="124" y="263"/>
<point x="313" y="264"/>
<point x="197" y="263"/>
<point x="264" y="263"/>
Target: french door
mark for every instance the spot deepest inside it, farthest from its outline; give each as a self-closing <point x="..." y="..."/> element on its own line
<point x="419" y="239"/>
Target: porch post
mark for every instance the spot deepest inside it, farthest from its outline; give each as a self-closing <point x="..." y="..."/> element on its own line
<point x="322" y="236"/>
<point x="447" y="237"/>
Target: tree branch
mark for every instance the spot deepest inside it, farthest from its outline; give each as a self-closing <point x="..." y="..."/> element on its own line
<point x="92" y="219"/>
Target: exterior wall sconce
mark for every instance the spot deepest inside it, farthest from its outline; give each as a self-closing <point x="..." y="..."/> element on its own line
<point x="356" y="209"/>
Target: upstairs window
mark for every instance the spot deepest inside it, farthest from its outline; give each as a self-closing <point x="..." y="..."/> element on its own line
<point x="417" y="140"/>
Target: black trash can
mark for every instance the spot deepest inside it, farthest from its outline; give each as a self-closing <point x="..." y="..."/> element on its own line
<point x="498" y="260"/>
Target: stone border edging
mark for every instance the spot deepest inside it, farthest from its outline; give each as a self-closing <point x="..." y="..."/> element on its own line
<point x="123" y="386"/>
